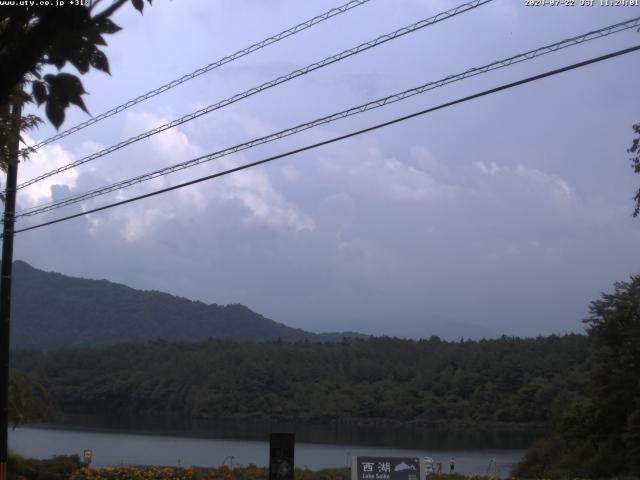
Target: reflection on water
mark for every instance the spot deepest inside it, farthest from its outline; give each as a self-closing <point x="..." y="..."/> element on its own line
<point x="176" y="442"/>
<point x="324" y="434"/>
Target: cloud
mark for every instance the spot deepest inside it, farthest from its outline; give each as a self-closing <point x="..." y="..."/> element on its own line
<point x="366" y="170"/>
<point x="40" y="162"/>
<point x="162" y="149"/>
<point x="547" y="184"/>
<point x="479" y="212"/>
<point x="263" y="203"/>
<point x="266" y="205"/>
<point x="369" y="229"/>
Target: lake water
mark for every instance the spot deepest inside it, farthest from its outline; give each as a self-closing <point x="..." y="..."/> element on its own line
<point x="152" y="442"/>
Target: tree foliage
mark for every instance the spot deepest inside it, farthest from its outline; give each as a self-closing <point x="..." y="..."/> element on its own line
<point x="60" y="467"/>
<point x="34" y="37"/>
<point x="600" y="435"/>
<point x="29" y="401"/>
<point x="635" y="164"/>
<point x="36" y="43"/>
<point x="508" y="382"/>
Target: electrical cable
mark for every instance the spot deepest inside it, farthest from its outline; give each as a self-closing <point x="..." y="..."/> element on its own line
<point x="339" y="138"/>
<point x="218" y="63"/>
<point x="284" y="78"/>
<point x="576" y="40"/>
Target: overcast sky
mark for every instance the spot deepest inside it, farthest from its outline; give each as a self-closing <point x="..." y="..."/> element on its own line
<point x="508" y="214"/>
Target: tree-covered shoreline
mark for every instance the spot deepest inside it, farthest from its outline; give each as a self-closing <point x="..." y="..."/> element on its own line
<point x="598" y="436"/>
<point x="508" y="383"/>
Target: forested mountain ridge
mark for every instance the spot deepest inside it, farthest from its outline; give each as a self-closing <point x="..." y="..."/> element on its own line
<point x="51" y="310"/>
<point x="506" y="382"/>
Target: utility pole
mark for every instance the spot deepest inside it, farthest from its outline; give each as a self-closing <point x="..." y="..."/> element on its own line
<point x="14" y="112"/>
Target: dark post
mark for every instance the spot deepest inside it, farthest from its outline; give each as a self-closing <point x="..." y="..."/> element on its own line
<point x="15" y="113"/>
<point x="281" y="446"/>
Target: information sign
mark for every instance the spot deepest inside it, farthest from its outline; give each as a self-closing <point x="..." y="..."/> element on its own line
<point x="387" y="468"/>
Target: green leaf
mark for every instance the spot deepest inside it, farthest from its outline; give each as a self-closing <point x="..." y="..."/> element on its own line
<point x="138" y="5"/>
<point x="39" y="92"/>
<point x="55" y="112"/>
<point x="56" y="57"/>
<point x="81" y="59"/>
<point x="94" y="37"/>
<point x="77" y="101"/>
<point x="65" y="85"/>
<point x="65" y="88"/>
<point x="107" y="26"/>
<point x="23" y="97"/>
<point x="98" y="60"/>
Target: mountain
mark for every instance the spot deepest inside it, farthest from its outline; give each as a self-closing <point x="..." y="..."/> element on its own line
<point x="50" y="310"/>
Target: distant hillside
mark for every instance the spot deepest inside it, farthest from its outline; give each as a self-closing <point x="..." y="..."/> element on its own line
<point x="50" y="310"/>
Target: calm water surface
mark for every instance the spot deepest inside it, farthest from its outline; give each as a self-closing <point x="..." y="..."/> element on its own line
<point x="175" y="442"/>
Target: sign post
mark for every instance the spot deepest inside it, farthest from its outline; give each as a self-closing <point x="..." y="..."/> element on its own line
<point x="281" y="449"/>
<point x="87" y="455"/>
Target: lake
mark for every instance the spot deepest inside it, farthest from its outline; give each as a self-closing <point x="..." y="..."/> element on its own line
<point x="174" y="442"/>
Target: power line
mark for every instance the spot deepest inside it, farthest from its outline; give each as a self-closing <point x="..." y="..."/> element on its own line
<point x="339" y="138"/>
<point x="576" y="40"/>
<point x="218" y="63"/>
<point x="284" y="78"/>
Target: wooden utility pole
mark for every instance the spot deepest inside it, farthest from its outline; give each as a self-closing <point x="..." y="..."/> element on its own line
<point x="14" y="113"/>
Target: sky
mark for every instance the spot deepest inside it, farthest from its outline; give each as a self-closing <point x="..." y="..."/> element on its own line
<point x="507" y="214"/>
